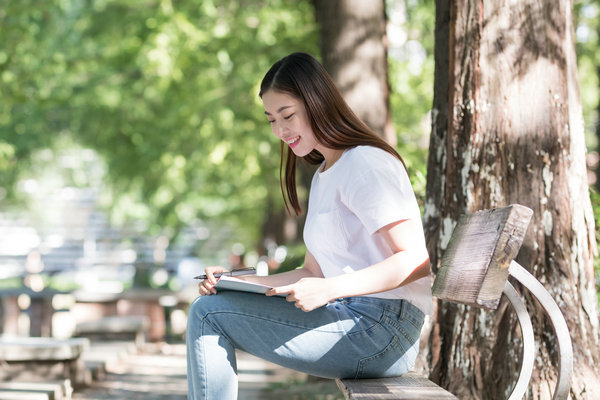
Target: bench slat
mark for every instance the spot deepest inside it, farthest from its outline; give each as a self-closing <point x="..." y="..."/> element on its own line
<point x="42" y="358"/>
<point x="474" y="268"/>
<point x="16" y="395"/>
<point x="56" y="390"/>
<point x="41" y="348"/>
<point x="406" y="387"/>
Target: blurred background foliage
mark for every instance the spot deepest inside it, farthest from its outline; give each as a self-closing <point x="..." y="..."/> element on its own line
<point x="587" y="23"/>
<point x="164" y="92"/>
<point x="155" y="102"/>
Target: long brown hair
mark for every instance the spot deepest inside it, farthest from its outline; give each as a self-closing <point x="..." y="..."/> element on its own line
<point x="333" y="122"/>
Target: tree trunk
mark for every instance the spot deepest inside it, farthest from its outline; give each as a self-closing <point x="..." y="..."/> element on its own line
<point x="354" y="52"/>
<point x="507" y="127"/>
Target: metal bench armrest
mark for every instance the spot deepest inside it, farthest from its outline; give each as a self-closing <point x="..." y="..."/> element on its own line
<point x="528" y="342"/>
<point x="565" y="348"/>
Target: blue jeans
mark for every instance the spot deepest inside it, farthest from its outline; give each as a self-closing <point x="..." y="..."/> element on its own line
<point x="357" y="337"/>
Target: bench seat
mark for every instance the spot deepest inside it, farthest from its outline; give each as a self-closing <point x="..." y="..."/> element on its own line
<point x="21" y="395"/>
<point x="52" y="390"/>
<point x="405" y="387"/>
<point x="115" y="328"/>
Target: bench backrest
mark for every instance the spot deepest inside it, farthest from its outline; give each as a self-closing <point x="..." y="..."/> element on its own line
<point x="474" y="268"/>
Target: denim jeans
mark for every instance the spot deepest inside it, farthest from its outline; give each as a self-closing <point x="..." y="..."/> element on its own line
<point x="357" y="337"/>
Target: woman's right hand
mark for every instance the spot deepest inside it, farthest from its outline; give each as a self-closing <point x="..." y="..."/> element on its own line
<point x="206" y="287"/>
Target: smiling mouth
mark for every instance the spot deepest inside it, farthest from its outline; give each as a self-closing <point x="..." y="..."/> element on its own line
<point x="292" y="143"/>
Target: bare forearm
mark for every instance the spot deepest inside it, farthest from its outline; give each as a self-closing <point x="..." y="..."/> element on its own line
<point x="393" y="272"/>
<point x="284" y="278"/>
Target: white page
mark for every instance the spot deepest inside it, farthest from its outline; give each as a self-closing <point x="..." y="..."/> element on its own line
<point x="231" y="283"/>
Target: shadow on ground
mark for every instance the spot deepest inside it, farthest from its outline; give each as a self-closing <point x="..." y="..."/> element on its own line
<point x="158" y="372"/>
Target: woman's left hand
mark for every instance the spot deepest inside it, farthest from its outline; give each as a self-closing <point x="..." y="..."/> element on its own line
<point x="307" y="293"/>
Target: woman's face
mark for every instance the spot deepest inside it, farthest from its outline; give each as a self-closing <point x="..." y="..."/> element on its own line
<point x="289" y="122"/>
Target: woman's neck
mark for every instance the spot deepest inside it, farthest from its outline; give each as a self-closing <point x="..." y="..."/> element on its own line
<point x="331" y="156"/>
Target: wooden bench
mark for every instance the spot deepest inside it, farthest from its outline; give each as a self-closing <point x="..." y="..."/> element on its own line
<point x="474" y="271"/>
<point x="104" y="356"/>
<point x="115" y="328"/>
<point x="41" y="359"/>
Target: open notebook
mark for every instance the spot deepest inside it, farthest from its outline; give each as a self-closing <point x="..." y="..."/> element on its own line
<point x="231" y="283"/>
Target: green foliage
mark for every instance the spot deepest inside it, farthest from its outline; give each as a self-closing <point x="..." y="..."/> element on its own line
<point x="62" y="284"/>
<point x="411" y="68"/>
<point x="27" y="79"/>
<point x="595" y="197"/>
<point x="294" y="258"/>
<point x="587" y="22"/>
<point x="165" y="92"/>
<point x="11" y="283"/>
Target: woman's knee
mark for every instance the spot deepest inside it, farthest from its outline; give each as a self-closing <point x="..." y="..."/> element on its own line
<point x="203" y="306"/>
<point x="199" y="312"/>
<point x="199" y="307"/>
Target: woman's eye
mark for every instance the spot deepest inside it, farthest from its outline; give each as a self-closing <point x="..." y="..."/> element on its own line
<point x="289" y="116"/>
<point x="271" y="121"/>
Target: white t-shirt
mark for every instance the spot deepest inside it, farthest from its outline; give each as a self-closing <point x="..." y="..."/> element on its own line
<point x="365" y="190"/>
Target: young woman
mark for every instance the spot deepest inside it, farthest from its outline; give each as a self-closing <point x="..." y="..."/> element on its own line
<point x="356" y="307"/>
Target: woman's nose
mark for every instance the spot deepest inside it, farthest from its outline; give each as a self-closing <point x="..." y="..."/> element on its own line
<point x="278" y="130"/>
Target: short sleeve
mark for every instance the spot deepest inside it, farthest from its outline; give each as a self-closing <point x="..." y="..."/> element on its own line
<point x="380" y="196"/>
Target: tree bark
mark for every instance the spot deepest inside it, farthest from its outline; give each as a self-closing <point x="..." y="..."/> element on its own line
<point x="354" y="52"/>
<point x="507" y="127"/>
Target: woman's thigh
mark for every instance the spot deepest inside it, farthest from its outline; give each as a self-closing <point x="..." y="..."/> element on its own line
<point x="344" y="338"/>
<point x="392" y="348"/>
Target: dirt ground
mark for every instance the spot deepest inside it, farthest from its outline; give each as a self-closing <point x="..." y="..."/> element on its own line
<point x="158" y="372"/>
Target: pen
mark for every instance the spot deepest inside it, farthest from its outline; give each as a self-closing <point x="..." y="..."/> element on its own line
<point x="235" y="272"/>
